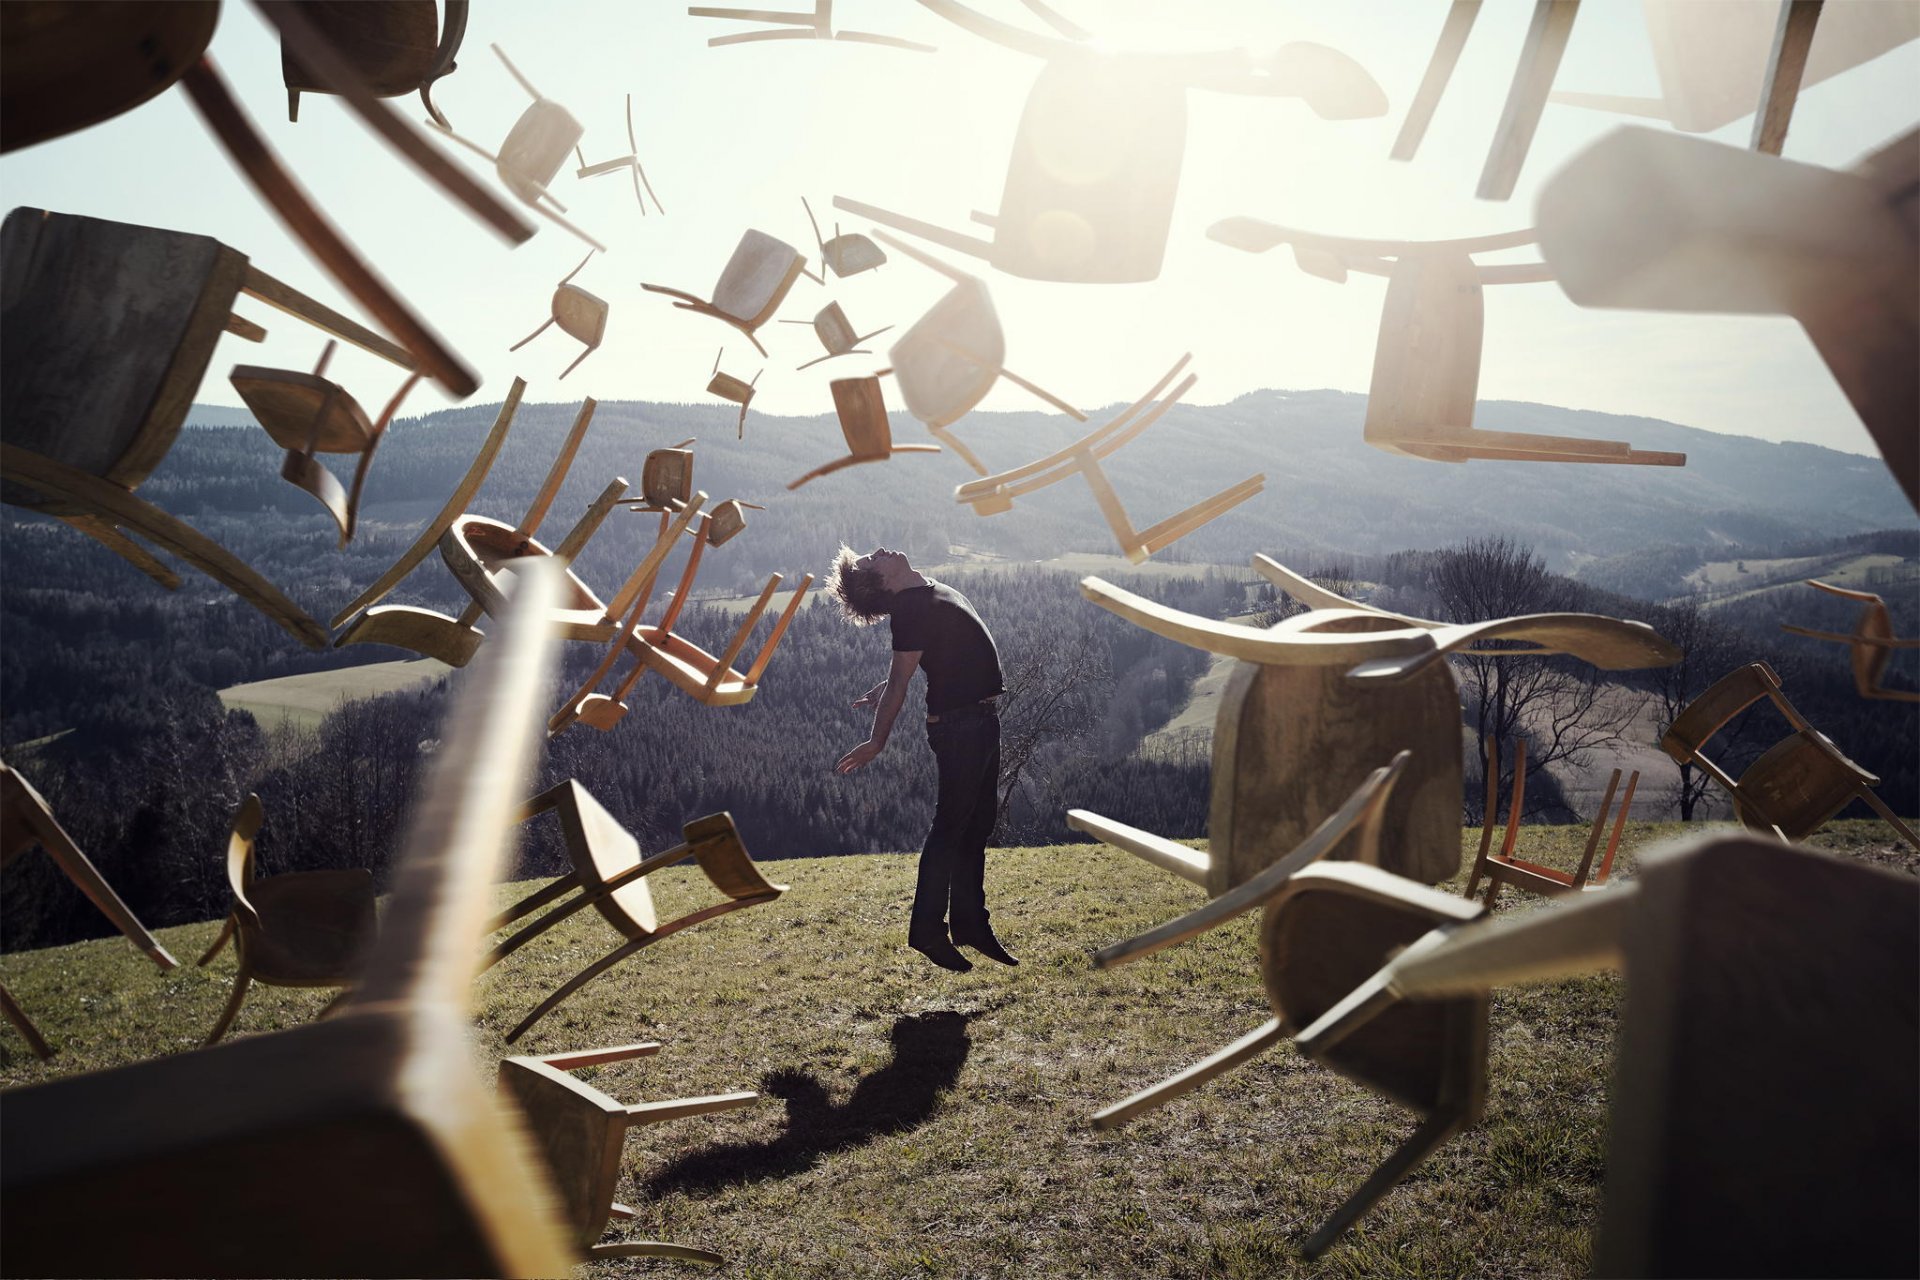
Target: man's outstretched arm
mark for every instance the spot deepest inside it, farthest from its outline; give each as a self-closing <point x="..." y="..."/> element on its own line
<point x="892" y="696"/>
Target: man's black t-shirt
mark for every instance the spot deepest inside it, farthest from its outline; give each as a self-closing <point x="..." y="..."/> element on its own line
<point x="956" y="650"/>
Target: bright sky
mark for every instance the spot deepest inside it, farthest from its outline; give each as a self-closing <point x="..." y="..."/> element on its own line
<point x="731" y="138"/>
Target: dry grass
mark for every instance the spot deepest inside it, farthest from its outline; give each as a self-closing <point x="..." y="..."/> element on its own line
<point x="309" y="698"/>
<point x="920" y="1123"/>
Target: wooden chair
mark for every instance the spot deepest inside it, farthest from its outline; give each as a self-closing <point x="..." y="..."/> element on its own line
<point x="306" y="413"/>
<point x="1654" y="221"/>
<point x="298" y="929"/>
<point x="996" y="493"/>
<point x="532" y="152"/>
<point x="753" y="284"/>
<point x="666" y="479"/>
<point x="580" y="315"/>
<point x="817" y="25"/>
<point x="109" y="328"/>
<point x="66" y="67"/>
<point x="1426" y="364"/>
<point x="26" y="820"/>
<point x="948" y="360"/>
<point x="1724" y="1130"/>
<point x="582" y="1133"/>
<point x="406" y="1163"/>
<point x="1870" y="646"/>
<point x="848" y="254"/>
<point x="609" y="875"/>
<point x="629" y="162"/>
<point x="1320" y="698"/>
<point x="1797" y="784"/>
<point x="728" y="520"/>
<point x="862" y="410"/>
<point x="394" y="48"/>
<point x="728" y="387"/>
<point x="1506" y="868"/>
<point x="1324" y="929"/>
<point x="836" y="334"/>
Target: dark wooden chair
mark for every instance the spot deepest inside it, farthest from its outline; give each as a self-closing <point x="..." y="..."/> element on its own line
<point x="1507" y="867"/>
<point x="395" y="47"/>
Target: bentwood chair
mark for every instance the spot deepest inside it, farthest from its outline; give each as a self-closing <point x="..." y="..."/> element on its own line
<point x="728" y="387"/>
<point x="580" y="315"/>
<point x="298" y="929"/>
<point x="395" y="47"/>
<point x="609" y="875"/>
<point x="753" y="284"/>
<point x="846" y="254"/>
<point x="862" y="410"/>
<point x="1870" y="646"/>
<point x="836" y="334"/>
<point x="1507" y="867"/>
<point x="629" y="162"/>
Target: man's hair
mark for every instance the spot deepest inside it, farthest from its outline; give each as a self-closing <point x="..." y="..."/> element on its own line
<point x="863" y="600"/>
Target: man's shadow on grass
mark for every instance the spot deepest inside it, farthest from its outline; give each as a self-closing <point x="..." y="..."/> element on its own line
<point x="928" y="1052"/>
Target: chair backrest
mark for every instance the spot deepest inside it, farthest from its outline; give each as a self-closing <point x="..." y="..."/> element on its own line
<point x="535" y="148"/>
<point x="950" y="358"/>
<point x="581" y="1133"/>
<point x="1426" y="363"/>
<point x="1720" y="702"/>
<point x="756" y="278"/>
<point x="394" y="47"/>
<point x="295" y="408"/>
<point x="862" y="410"/>
<point x="580" y="314"/>
<point x="833" y="329"/>
<point x="600" y="849"/>
<point x="666" y="478"/>
<point x="723" y="857"/>
<point x="1797" y="784"/>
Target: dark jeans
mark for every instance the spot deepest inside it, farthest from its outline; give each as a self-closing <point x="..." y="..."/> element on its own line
<point x="953" y="865"/>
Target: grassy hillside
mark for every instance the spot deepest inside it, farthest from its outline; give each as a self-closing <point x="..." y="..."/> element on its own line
<point x="920" y="1123"/>
<point x="309" y="698"/>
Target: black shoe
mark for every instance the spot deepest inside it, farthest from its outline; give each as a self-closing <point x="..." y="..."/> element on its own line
<point x="941" y="952"/>
<point x="983" y="941"/>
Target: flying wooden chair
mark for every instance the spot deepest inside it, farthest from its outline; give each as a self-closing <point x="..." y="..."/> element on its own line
<point x="728" y="387"/>
<point x="751" y="287"/>
<point x="580" y="315"/>
<point x="64" y="68"/>
<point x="1426" y="364"/>
<point x="862" y="411"/>
<point x="1719" y="1151"/>
<point x="948" y="360"/>
<point x="629" y="162"/>
<point x="995" y="494"/>
<point x="307" y="413"/>
<point x="532" y="152"/>
<point x="609" y="874"/>
<point x="1324" y="929"/>
<point x="406" y="1162"/>
<point x="1318" y="699"/>
<point x="1506" y="867"/>
<point x="1096" y="163"/>
<point x="581" y="1133"/>
<point x="109" y="328"/>
<point x="817" y="25"/>
<point x="1797" y="784"/>
<point x="26" y="820"/>
<point x="728" y="520"/>
<point x="297" y="929"/>
<point x="666" y="480"/>
<point x="836" y="334"/>
<point x="845" y="255"/>
<point x="1717" y="63"/>
<point x="1870" y="645"/>
<point x="1659" y="222"/>
<point x="394" y="48"/>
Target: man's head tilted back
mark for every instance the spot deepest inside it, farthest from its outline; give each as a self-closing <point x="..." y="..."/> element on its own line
<point x="864" y="584"/>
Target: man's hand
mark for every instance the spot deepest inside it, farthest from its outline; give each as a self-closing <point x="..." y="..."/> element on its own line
<point x="860" y="755"/>
<point x="871" y="696"/>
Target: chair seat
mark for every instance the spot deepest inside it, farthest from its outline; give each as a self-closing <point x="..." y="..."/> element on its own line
<point x="316" y="927"/>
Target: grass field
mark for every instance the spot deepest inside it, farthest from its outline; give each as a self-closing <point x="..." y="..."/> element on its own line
<point x="306" y="700"/>
<point x="921" y="1123"/>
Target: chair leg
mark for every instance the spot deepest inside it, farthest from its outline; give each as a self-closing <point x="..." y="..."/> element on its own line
<point x="1880" y="807"/>
<point x="24" y="1025"/>
<point x="578" y="981"/>
<point x="220" y="940"/>
<point x="654" y="1249"/>
<point x="241" y="982"/>
<point x="1247" y="1046"/>
<point x="1423" y="1142"/>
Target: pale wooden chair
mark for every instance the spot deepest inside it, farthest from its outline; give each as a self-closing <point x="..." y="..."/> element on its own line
<point x="1506" y="867"/>
<point x="728" y="520"/>
<point x="530" y="156"/>
<point x="1797" y="784"/>
<point x="629" y="162"/>
<point x="1724" y="1131"/>
<point x="26" y="820"/>
<point x="836" y="334"/>
<point x="1659" y="222"/>
<point x="1324" y="929"/>
<point x="1870" y="645"/>
<point x="862" y="409"/>
<point x="753" y="284"/>
<point x="817" y="25"/>
<point x="609" y="874"/>
<point x="308" y="413"/>
<point x="848" y="254"/>
<point x="728" y="387"/>
<point x="580" y="315"/>
<point x="666" y="480"/>
<point x="1426" y="363"/>
<point x="406" y="1162"/>
<point x="395" y="48"/>
<point x="297" y="929"/>
<point x="581" y="1132"/>
<point x="995" y="494"/>
<point x="109" y="327"/>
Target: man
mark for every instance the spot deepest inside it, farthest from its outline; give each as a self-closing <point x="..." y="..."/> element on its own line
<point x="935" y="630"/>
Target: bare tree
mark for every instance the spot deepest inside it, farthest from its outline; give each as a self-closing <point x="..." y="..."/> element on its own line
<point x="1709" y="652"/>
<point x="1048" y="705"/>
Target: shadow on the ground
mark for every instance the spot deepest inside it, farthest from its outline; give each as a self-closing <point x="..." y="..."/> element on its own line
<point x="928" y="1052"/>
